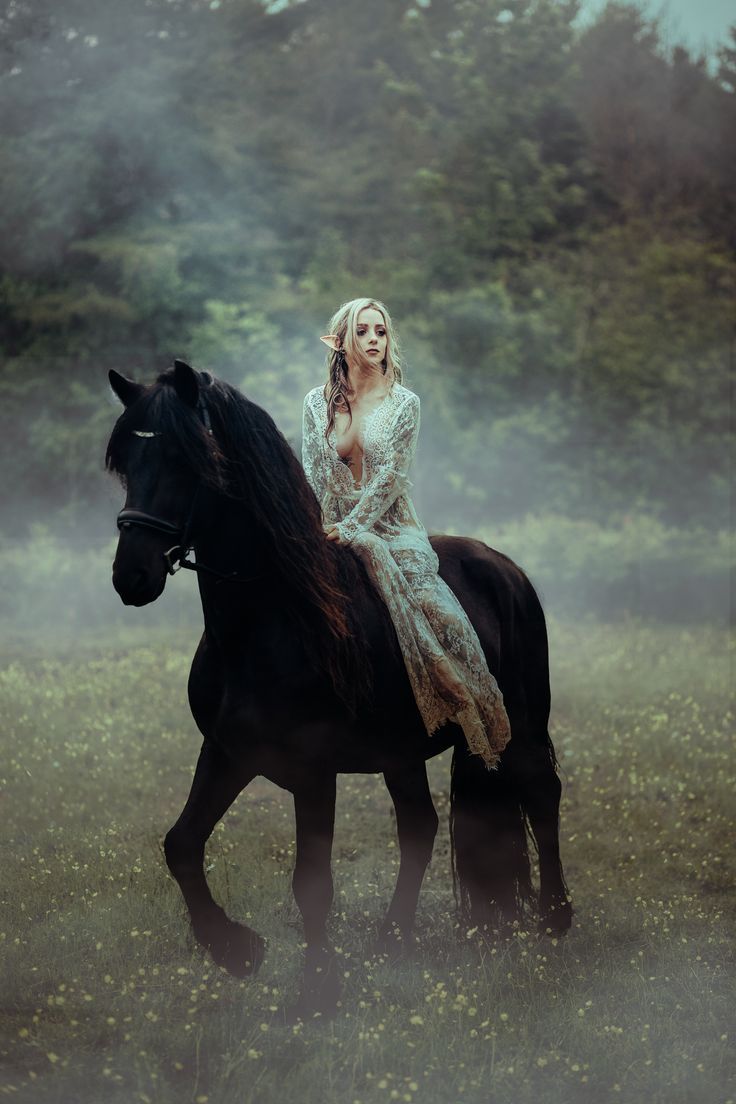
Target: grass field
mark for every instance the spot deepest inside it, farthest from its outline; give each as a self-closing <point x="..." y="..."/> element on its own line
<point x="105" y="997"/>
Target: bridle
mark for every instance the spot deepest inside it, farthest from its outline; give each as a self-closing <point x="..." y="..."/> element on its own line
<point x="176" y="557"/>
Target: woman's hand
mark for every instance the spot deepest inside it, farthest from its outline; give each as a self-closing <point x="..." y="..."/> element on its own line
<point x="333" y="534"/>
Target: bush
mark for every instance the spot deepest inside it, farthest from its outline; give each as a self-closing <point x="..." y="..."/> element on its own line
<point x="60" y="587"/>
<point x="637" y="566"/>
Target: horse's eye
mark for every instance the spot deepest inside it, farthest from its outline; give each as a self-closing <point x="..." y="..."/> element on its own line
<point x="145" y="433"/>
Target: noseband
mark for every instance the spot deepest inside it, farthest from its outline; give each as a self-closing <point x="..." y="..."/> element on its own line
<point x="176" y="556"/>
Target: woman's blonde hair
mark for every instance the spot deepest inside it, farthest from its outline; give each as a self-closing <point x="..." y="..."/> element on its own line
<point x="343" y="326"/>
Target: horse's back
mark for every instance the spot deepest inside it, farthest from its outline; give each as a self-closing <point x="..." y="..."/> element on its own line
<point x="501" y="603"/>
<point x="480" y="575"/>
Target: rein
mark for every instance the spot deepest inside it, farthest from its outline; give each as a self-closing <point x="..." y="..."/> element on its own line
<point x="176" y="556"/>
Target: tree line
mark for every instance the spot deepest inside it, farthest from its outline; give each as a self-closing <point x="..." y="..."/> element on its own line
<point x="547" y="210"/>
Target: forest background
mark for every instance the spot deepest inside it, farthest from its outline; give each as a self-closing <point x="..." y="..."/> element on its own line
<point x="547" y="209"/>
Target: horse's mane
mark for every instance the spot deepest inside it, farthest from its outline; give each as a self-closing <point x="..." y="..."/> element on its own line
<point x="248" y="459"/>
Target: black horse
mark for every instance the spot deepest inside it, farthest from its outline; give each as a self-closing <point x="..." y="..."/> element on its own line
<point x="298" y="675"/>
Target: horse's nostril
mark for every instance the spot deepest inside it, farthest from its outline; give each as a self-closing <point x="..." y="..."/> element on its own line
<point x="133" y="584"/>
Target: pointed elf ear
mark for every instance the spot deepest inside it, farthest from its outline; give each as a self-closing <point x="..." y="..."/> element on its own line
<point x="332" y="341"/>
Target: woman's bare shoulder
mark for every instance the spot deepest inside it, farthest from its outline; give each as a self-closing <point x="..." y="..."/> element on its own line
<point x="315" y="397"/>
<point x="403" y="393"/>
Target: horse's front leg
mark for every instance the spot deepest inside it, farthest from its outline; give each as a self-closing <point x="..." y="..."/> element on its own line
<point x="416" y="825"/>
<point x="217" y="782"/>
<point x="314" y="806"/>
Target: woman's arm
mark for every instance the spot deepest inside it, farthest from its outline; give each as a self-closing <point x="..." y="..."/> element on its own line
<point x="391" y="478"/>
<point x="313" y="459"/>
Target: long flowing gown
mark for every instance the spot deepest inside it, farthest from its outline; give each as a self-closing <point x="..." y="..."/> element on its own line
<point x="378" y="519"/>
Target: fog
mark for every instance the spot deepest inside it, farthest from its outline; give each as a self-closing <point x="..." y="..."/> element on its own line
<point x="549" y="219"/>
<point x="135" y="229"/>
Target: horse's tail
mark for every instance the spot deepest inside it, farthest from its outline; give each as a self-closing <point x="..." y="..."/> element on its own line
<point x="488" y="815"/>
<point x="490" y="858"/>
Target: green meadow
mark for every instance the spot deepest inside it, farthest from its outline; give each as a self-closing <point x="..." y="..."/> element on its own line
<point x="106" y="998"/>
<point x="546" y="205"/>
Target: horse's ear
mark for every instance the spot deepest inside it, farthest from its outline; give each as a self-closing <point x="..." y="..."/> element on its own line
<point x="127" y="390"/>
<point x="186" y="383"/>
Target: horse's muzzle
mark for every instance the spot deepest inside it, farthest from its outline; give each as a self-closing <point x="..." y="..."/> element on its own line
<point x="138" y="587"/>
<point x="139" y="569"/>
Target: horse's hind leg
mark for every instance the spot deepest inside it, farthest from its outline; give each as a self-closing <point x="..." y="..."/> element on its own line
<point x="541" y="803"/>
<point x="539" y="789"/>
<point x="530" y="759"/>
<point x="216" y="784"/>
<point x="416" y="825"/>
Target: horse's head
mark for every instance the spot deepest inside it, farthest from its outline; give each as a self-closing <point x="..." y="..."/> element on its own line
<point x="163" y="452"/>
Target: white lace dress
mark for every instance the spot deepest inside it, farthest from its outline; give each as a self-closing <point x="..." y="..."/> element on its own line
<point x="377" y="518"/>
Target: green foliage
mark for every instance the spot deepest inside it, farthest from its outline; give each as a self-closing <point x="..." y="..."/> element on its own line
<point x="638" y="567"/>
<point x="62" y="588"/>
<point x="549" y="214"/>
<point x="634" y="567"/>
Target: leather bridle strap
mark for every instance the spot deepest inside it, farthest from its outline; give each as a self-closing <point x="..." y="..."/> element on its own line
<point x="176" y="556"/>
<point x="129" y="518"/>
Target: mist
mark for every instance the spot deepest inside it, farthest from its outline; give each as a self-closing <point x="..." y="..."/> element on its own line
<point x="546" y="205"/>
<point x="210" y="181"/>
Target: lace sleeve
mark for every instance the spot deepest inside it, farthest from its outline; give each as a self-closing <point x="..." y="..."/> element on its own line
<point x="313" y="460"/>
<point x="390" y="479"/>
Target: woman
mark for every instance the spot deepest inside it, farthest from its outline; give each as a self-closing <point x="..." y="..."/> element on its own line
<point x="359" y="437"/>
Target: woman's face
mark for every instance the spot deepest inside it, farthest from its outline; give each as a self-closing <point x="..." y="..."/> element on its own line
<point x="370" y="332"/>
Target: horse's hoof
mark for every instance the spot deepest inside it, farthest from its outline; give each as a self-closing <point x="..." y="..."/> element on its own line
<point x="237" y="948"/>
<point x="556" y="919"/>
<point x="320" y="993"/>
<point x="392" y="942"/>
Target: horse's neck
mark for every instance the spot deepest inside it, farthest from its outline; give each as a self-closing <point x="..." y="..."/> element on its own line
<point x="230" y="543"/>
